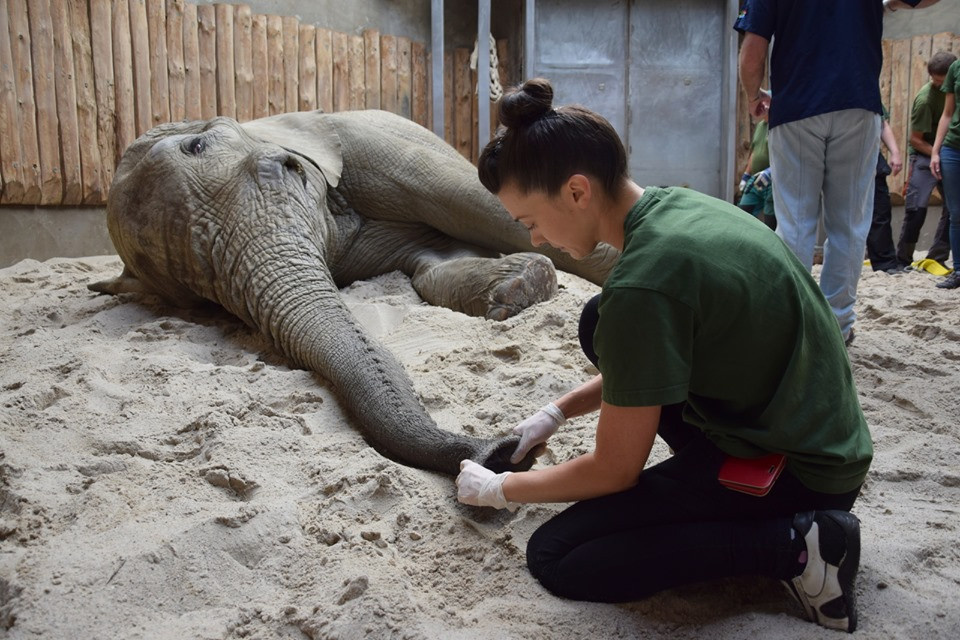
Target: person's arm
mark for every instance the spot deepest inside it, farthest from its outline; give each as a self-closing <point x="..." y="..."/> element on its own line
<point x="746" y="173"/>
<point x="949" y="104"/>
<point x="624" y="439"/>
<point x="919" y="144"/>
<point x="890" y="141"/>
<point x="753" y="58"/>
<point x="893" y="5"/>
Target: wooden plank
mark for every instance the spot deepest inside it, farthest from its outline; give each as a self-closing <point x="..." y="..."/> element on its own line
<point x="946" y="41"/>
<point x="176" y="77"/>
<point x="404" y="75"/>
<point x="341" y="71"/>
<point x="20" y="45"/>
<point x="192" y="92"/>
<point x="388" y="73"/>
<point x="140" y="39"/>
<point x="900" y="101"/>
<point x="886" y="70"/>
<point x="45" y="91"/>
<point x="66" y="105"/>
<point x="418" y="84"/>
<point x="324" y="70"/>
<point x="207" y="40"/>
<point x="307" y="100"/>
<point x="126" y="109"/>
<point x="448" y="100"/>
<point x="356" y="71"/>
<point x="462" y="94"/>
<point x="921" y="48"/>
<point x="258" y="36"/>
<point x="291" y="62"/>
<point x="371" y="73"/>
<point x="226" y="81"/>
<point x="11" y="171"/>
<point x="474" y="117"/>
<point x="92" y="184"/>
<point x="243" y="61"/>
<point x="101" y="17"/>
<point x="159" y="84"/>
<point x="276" y="95"/>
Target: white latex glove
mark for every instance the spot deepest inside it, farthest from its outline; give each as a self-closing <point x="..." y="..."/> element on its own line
<point x="481" y="487"/>
<point x="744" y="179"/>
<point x="537" y="429"/>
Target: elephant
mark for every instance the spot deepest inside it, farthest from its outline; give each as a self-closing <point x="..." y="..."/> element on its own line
<point x="270" y="218"/>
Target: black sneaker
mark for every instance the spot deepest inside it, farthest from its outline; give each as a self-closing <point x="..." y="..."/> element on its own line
<point x="825" y="589"/>
<point x="952" y="281"/>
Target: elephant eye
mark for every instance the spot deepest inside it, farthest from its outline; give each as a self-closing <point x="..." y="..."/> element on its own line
<point x="194" y="147"/>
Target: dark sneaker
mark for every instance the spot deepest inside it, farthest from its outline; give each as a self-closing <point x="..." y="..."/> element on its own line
<point x="952" y="281"/>
<point x="825" y="589"/>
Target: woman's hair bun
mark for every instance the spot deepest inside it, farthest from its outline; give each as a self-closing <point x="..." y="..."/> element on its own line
<point x="526" y="104"/>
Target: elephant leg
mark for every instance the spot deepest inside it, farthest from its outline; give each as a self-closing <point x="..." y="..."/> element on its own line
<point x="447" y="272"/>
<point x="493" y="288"/>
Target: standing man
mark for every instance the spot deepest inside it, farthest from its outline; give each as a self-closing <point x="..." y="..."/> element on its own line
<point x="824" y="125"/>
<point x="927" y="108"/>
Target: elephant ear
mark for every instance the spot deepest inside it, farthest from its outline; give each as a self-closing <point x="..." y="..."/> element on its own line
<point x="306" y="133"/>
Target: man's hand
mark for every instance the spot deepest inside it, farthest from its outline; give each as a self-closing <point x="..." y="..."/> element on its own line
<point x="537" y="429"/>
<point x="480" y="487"/>
<point x="896" y="163"/>
<point x="763" y="180"/>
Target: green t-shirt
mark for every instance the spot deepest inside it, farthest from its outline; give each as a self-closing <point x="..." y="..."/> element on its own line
<point x="706" y="305"/>
<point x="927" y="108"/>
<point x="952" y="85"/>
<point x="759" y="155"/>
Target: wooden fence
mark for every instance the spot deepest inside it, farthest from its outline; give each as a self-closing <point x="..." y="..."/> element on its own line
<point x="904" y="72"/>
<point x="81" y="79"/>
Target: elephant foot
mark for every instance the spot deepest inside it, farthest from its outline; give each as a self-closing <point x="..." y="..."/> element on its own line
<point x="492" y="288"/>
<point x="496" y="456"/>
<point x="530" y="278"/>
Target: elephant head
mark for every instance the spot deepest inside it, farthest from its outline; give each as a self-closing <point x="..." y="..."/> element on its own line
<point x="246" y="216"/>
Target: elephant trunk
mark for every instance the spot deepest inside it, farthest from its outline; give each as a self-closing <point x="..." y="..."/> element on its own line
<point x="302" y="312"/>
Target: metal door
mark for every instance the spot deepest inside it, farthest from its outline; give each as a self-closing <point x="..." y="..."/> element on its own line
<point x="662" y="71"/>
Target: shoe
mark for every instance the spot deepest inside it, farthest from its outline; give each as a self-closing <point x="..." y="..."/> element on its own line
<point x="849" y="339"/>
<point x="825" y="589"/>
<point x="952" y="281"/>
<point x="895" y="271"/>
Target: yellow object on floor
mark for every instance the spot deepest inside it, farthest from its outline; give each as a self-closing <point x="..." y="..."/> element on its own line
<point x="931" y="266"/>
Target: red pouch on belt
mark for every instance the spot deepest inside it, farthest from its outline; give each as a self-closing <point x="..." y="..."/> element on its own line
<point x="754" y="476"/>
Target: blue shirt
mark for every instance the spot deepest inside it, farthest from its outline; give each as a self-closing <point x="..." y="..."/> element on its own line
<point x="826" y="54"/>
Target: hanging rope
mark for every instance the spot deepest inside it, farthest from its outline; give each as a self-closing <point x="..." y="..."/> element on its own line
<point x="496" y="90"/>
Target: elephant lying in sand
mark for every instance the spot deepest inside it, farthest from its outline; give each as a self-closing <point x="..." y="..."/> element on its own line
<point x="270" y="217"/>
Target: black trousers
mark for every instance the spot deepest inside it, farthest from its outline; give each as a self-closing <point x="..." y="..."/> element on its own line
<point x="677" y="526"/>
<point x="880" y="247"/>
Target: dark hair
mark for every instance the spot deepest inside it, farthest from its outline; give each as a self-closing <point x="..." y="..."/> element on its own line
<point x="538" y="147"/>
<point x="940" y="63"/>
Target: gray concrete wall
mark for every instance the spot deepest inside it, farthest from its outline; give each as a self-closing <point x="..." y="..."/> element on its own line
<point x="47" y="232"/>
<point x="941" y="17"/>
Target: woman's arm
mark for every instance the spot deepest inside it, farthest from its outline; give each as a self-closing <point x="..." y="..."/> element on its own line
<point x="949" y="104"/>
<point x="624" y="439"/>
<point x="890" y="141"/>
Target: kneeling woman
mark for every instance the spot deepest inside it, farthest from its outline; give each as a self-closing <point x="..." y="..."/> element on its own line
<point x="709" y="333"/>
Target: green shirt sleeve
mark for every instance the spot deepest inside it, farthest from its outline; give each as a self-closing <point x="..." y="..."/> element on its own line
<point x="644" y="341"/>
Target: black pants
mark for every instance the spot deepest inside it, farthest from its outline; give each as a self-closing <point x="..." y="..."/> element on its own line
<point x="678" y="525"/>
<point x="880" y="247"/>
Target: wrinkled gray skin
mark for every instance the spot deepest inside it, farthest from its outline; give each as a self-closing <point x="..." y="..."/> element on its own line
<point x="270" y="218"/>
